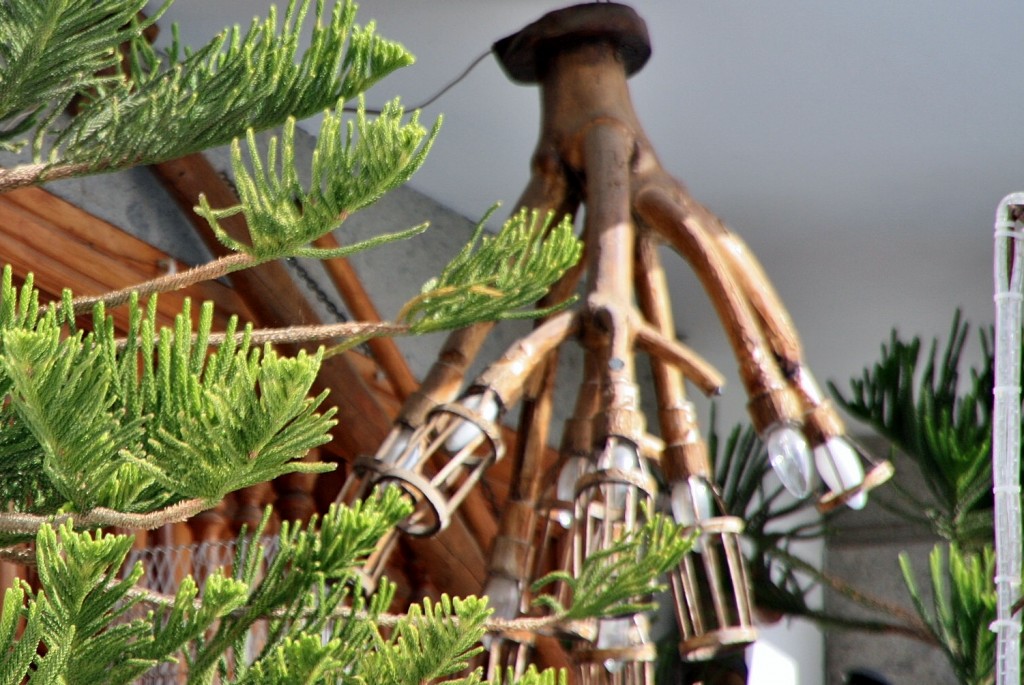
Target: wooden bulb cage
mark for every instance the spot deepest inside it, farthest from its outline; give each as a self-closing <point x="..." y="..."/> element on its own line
<point x="623" y="653"/>
<point x="713" y="607"/>
<point x="610" y="502"/>
<point x="407" y="455"/>
<point x="593" y="151"/>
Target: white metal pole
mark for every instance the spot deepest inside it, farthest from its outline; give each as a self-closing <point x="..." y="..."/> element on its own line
<point x="1008" y="271"/>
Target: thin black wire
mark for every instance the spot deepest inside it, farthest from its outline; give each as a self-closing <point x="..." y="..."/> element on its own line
<point x="326" y="300"/>
<point x="321" y="296"/>
<point x="433" y="98"/>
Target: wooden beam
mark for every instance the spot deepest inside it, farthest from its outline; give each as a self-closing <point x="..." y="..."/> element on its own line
<point x="66" y="247"/>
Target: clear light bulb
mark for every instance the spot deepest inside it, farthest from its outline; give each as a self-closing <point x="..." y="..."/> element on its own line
<point x="620" y="632"/>
<point x="503" y="596"/>
<point x="565" y="488"/>
<point x="691" y="501"/>
<point x="790" y="457"/>
<point x="624" y="457"/>
<point x="396" y="452"/>
<point x="840" y="467"/>
<point x="466" y="431"/>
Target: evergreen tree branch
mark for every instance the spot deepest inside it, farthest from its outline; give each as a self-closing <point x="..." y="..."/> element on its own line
<point x="166" y="108"/>
<point x="34" y="174"/>
<point x="963" y="607"/>
<point x="83" y="611"/>
<point x="493" y="276"/>
<point x="297" y="334"/>
<point x="16" y="662"/>
<point x="917" y="403"/>
<point x="61" y="391"/>
<point x="54" y="50"/>
<point x="102" y="517"/>
<point x="349" y="171"/>
<point x="354" y="163"/>
<point x="218" y="268"/>
<point x="137" y="425"/>
<point x="612" y="581"/>
<point x="429" y="643"/>
<point x="532" y="624"/>
<point x="910" y="624"/>
<point x="526" y="257"/>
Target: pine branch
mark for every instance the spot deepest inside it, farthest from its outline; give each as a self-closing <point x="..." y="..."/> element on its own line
<point x="302" y="659"/>
<point x="493" y="276"/>
<point x="101" y="517"/>
<point x="352" y="167"/>
<point x="920" y="406"/>
<point x="326" y="552"/>
<point x="16" y="661"/>
<point x="81" y="614"/>
<point x="61" y="391"/>
<point x="332" y="548"/>
<point x="613" y="580"/>
<point x="36" y="173"/>
<point x="218" y="268"/>
<point x="169" y="107"/>
<point x="962" y="610"/>
<point x="533" y="677"/>
<point x="908" y="623"/>
<point x="53" y="50"/>
<point x="141" y="424"/>
<point x="296" y="334"/>
<point x="430" y="643"/>
<point x="488" y="280"/>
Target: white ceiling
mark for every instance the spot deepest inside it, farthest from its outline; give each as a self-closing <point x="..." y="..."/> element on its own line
<point x="859" y="147"/>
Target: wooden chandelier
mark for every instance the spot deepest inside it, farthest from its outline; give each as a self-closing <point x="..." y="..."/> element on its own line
<point x="593" y="152"/>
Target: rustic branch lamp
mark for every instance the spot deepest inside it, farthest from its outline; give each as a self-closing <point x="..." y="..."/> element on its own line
<point x="593" y="151"/>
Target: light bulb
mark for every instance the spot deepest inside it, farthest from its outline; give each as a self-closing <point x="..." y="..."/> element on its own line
<point x="565" y="488"/>
<point x="691" y="501"/>
<point x="840" y="467"/>
<point x="503" y="596"/>
<point x="625" y="458"/>
<point x="790" y="457"/>
<point x="621" y="632"/>
<point x="396" y="452"/>
<point x="466" y="431"/>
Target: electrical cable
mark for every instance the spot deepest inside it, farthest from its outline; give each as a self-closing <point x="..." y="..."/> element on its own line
<point x="433" y="98"/>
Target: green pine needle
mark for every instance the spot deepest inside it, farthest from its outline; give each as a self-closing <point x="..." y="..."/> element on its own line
<point x="920" y="404"/>
<point x="53" y="50"/>
<point x="617" y="580"/>
<point x="90" y="423"/>
<point x="302" y="659"/>
<point x="184" y="102"/>
<point x="964" y="606"/>
<point x="532" y="676"/>
<point x="353" y="165"/>
<point x="22" y="642"/>
<point x="431" y="643"/>
<point x="494" y="277"/>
